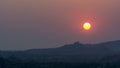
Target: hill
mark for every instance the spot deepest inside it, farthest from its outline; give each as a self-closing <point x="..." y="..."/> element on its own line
<point x="76" y="52"/>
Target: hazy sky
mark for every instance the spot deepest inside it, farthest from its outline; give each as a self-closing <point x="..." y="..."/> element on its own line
<point x="26" y="24"/>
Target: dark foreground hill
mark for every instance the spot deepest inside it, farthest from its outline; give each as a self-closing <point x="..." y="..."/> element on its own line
<point x="77" y="55"/>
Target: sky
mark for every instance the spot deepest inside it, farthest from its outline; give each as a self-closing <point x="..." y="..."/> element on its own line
<point x="29" y="24"/>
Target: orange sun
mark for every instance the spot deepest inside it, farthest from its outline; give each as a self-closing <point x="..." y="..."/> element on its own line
<point x="87" y="26"/>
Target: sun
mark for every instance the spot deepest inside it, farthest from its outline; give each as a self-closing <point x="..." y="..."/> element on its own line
<point x="86" y="26"/>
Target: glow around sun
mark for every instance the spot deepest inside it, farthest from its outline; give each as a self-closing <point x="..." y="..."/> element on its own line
<point x="87" y="26"/>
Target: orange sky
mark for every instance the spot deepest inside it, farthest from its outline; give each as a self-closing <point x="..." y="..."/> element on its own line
<point x="28" y="24"/>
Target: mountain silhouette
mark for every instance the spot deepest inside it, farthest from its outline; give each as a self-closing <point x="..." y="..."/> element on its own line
<point x="76" y="51"/>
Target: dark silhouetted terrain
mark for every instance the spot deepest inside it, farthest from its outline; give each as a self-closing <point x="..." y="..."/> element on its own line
<point x="77" y="55"/>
